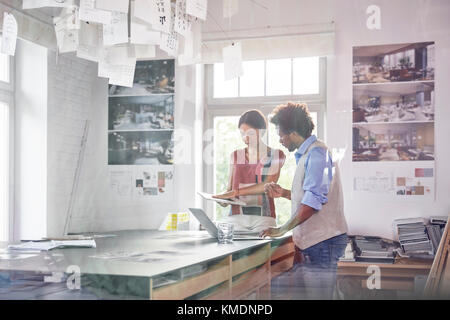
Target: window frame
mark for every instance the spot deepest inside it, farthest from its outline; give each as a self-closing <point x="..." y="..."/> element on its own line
<point x="7" y="92"/>
<point x="265" y="100"/>
<point x="219" y="107"/>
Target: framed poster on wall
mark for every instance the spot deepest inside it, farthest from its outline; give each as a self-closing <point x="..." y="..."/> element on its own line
<point x="393" y="147"/>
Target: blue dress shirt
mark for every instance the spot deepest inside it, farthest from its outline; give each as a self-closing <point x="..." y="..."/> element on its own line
<point x="318" y="173"/>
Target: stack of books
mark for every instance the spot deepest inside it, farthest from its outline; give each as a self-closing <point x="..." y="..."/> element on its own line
<point x="435" y="230"/>
<point x="413" y="237"/>
<point x="374" y="249"/>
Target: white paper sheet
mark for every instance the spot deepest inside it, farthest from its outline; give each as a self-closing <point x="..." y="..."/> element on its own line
<point x="118" y="55"/>
<point x="9" y="36"/>
<point x="232" y="60"/>
<point x="169" y="43"/>
<point x="121" y="181"/>
<point x="155" y="12"/>
<point x="117" y="31"/>
<point x="118" y="65"/>
<point x="183" y="21"/>
<point x="190" y="46"/>
<point x="143" y="51"/>
<point x="113" y="5"/>
<point x="90" y="44"/>
<point x="141" y="32"/>
<point x="66" y="29"/>
<point x="143" y="9"/>
<point x="88" y="12"/>
<point x="31" y="4"/>
<point x="197" y="8"/>
<point x="230" y="8"/>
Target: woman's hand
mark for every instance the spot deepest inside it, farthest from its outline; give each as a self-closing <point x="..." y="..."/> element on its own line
<point x="272" y="232"/>
<point x="274" y="190"/>
<point x="227" y="195"/>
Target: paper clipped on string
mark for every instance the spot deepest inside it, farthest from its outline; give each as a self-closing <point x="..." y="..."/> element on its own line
<point x="232" y="60"/>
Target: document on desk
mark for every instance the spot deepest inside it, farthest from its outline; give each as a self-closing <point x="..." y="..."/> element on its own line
<point x="208" y="196"/>
<point x="49" y="245"/>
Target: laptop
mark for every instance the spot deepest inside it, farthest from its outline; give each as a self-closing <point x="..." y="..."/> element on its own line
<point x="212" y="229"/>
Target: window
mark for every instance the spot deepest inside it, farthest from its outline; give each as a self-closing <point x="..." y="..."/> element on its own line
<point x="6" y="128"/>
<point x="268" y="78"/>
<point x="4" y="171"/>
<point x="264" y="85"/>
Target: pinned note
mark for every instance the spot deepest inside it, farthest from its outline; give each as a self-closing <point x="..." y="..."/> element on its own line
<point x="183" y="21"/>
<point x="118" y="64"/>
<point x="144" y="51"/>
<point x="230" y="8"/>
<point x="66" y="29"/>
<point x="117" y="31"/>
<point x="9" y="36"/>
<point x="113" y="5"/>
<point x="197" y="8"/>
<point x="155" y="12"/>
<point x="90" y="44"/>
<point x="190" y="46"/>
<point x="169" y="41"/>
<point x="88" y="12"/>
<point x="141" y="33"/>
<point x="232" y="58"/>
<point x="32" y="4"/>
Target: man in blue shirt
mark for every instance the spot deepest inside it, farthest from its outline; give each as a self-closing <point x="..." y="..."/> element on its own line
<point x="317" y="217"/>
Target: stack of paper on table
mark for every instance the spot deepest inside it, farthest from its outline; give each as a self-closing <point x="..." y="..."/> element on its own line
<point x="49" y="245"/>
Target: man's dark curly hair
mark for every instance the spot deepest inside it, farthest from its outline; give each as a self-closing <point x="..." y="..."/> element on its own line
<point x="293" y="117"/>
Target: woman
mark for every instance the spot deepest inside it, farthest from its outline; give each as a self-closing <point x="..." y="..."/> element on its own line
<point x="250" y="169"/>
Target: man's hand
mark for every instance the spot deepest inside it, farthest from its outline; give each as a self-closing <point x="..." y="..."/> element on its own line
<point x="272" y="232"/>
<point x="274" y="190"/>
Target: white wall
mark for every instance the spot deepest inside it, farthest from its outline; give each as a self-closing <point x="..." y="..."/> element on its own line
<point x="402" y="21"/>
<point x="97" y="207"/>
<point x="30" y="141"/>
<point x="70" y="104"/>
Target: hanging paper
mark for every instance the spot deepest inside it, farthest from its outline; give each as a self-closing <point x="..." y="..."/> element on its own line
<point x="32" y="4"/>
<point x="141" y="33"/>
<point x="157" y="13"/>
<point x="117" y="31"/>
<point x="169" y="41"/>
<point x="66" y="29"/>
<point x="197" y="8"/>
<point x="90" y="44"/>
<point x="9" y="36"/>
<point x="113" y="5"/>
<point x="230" y="8"/>
<point x="232" y="58"/>
<point x="183" y="21"/>
<point x="142" y="51"/>
<point x="88" y="12"/>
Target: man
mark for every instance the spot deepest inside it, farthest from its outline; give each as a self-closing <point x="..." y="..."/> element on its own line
<point x="317" y="217"/>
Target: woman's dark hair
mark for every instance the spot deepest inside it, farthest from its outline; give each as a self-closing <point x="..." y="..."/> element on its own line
<point x="254" y="118"/>
<point x="293" y="117"/>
